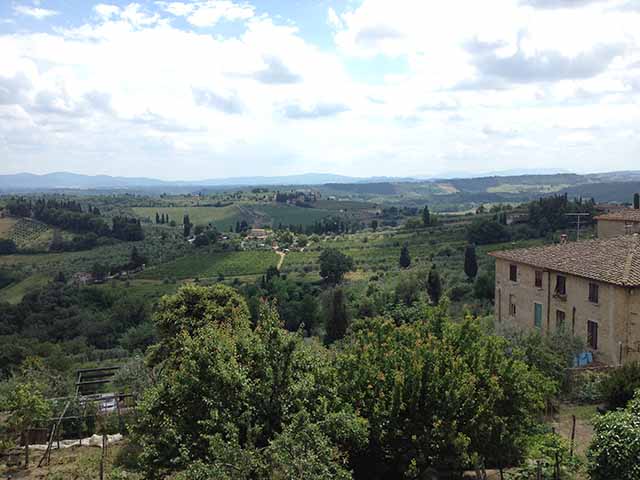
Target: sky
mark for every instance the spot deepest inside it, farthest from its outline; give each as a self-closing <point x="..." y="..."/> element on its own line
<point x="222" y="88"/>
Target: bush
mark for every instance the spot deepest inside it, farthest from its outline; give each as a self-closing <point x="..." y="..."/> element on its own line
<point x="7" y="246"/>
<point x="619" y="386"/>
<point x="615" y="449"/>
<point x="483" y="232"/>
<point x="587" y="387"/>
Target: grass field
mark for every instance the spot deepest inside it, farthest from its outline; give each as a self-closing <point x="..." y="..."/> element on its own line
<point x="287" y="214"/>
<point x="221" y="217"/>
<point x="14" y="292"/>
<point x="210" y="265"/>
<point x="6" y="225"/>
<point x="254" y="213"/>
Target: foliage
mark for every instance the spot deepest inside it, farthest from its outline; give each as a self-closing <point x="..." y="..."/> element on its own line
<point x="615" y="448"/>
<point x="550" y="354"/>
<point x="619" y="386"/>
<point x="484" y="286"/>
<point x="587" y="387"/>
<point x="337" y="319"/>
<point x="66" y="315"/>
<point x="542" y="451"/>
<point x="483" y="232"/>
<point x="26" y="405"/>
<point x="230" y="400"/>
<point x="334" y="264"/>
<point x="426" y="216"/>
<point x="470" y="262"/>
<point x="405" y="258"/>
<point x="7" y="246"/>
<point x="437" y="395"/>
<point x="434" y="285"/>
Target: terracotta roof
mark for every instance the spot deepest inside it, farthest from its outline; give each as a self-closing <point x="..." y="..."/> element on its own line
<point x="614" y="260"/>
<point x="628" y="215"/>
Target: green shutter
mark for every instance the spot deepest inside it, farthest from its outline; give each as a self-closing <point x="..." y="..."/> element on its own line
<point x="537" y="315"/>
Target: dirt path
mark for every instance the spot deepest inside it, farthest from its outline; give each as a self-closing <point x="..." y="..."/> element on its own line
<point x="281" y="261"/>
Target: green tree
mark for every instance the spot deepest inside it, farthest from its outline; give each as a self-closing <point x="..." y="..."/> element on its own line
<point x="26" y="405"/>
<point x="434" y="285"/>
<point x="484" y="287"/>
<point x="186" y="225"/>
<point x="235" y="403"/>
<point x="337" y="319"/>
<point x="374" y="225"/>
<point x="636" y="201"/>
<point x="470" y="262"/>
<point x="426" y="216"/>
<point x="615" y="448"/>
<point x="483" y="231"/>
<point x="136" y="260"/>
<point x="7" y="246"/>
<point x="157" y="218"/>
<point x="334" y="264"/>
<point x="439" y="396"/>
<point x="405" y="258"/>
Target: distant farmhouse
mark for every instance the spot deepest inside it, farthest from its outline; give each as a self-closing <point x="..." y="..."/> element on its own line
<point x="589" y="288"/>
<point x="619" y="222"/>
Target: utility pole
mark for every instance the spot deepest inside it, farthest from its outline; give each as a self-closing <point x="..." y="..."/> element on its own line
<point x="578" y="218"/>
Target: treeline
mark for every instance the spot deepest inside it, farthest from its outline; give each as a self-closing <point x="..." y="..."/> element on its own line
<point x="300" y="198"/>
<point x="541" y="218"/>
<point x="419" y="400"/>
<point x="69" y="215"/>
<point x="60" y="322"/>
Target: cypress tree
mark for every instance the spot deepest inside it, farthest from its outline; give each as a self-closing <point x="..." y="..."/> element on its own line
<point x="636" y="201"/>
<point x="337" y="321"/>
<point x="470" y="262"/>
<point x="434" y="285"/>
<point x="426" y="216"/>
<point x="405" y="258"/>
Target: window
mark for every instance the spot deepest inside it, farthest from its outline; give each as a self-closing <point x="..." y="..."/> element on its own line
<point x="513" y="273"/>
<point x="592" y="335"/>
<point x="512" y="305"/>
<point x="561" y="285"/>
<point x="537" y="315"/>
<point x="539" y="278"/>
<point x="560" y="318"/>
<point x="594" y="292"/>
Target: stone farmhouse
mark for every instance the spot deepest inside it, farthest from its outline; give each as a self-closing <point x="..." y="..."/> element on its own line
<point x="621" y="222"/>
<point x="589" y="288"/>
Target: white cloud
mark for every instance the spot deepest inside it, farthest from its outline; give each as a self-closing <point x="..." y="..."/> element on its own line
<point x="35" y="12"/>
<point x="438" y="86"/>
<point x="209" y="12"/>
<point x="106" y="11"/>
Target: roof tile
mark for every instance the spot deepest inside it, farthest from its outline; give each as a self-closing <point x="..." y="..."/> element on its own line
<point x="614" y="260"/>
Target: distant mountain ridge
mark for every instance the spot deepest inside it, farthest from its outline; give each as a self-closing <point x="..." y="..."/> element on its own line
<point x="71" y="181"/>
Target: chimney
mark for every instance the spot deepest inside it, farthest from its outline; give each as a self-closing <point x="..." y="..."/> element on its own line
<point x="563" y="238"/>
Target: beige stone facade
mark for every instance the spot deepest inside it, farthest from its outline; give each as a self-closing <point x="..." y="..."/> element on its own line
<point x="605" y="315"/>
<point x="614" y="227"/>
<point x="619" y="222"/>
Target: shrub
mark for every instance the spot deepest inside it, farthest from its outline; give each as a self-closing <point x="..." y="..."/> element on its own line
<point x="619" y="386"/>
<point x="587" y="387"/>
<point x="615" y="449"/>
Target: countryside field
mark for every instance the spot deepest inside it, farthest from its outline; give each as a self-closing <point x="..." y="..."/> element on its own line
<point x="211" y="265"/>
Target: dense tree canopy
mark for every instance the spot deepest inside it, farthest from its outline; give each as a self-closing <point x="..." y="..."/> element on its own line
<point x="334" y="264"/>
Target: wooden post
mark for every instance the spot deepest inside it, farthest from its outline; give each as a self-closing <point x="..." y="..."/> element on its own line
<point x="104" y="449"/>
<point x="26" y="449"/>
<point x="573" y="433"/>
